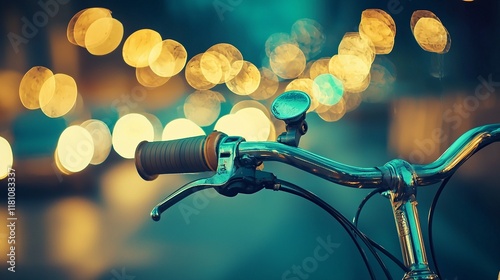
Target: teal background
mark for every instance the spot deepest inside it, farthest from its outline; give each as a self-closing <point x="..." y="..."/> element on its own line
<point x="261" y="236"/>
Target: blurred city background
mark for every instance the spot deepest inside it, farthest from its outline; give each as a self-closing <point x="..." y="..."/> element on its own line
<point x="83" y="211"/>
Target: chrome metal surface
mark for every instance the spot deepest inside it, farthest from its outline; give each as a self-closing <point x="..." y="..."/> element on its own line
<point x="403" y="197"/>
<point x="463" y="148"/>
<point x="371" y="177"/>
<point x="328" y="169"/>
<point x="225" y="170"/>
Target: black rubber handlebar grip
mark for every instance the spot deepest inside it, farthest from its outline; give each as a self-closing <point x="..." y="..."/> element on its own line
<point x="193" y="154"/>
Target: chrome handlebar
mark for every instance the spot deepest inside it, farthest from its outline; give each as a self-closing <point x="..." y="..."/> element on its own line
<point x="237" y="160"/>
<point x="461" y="150"/>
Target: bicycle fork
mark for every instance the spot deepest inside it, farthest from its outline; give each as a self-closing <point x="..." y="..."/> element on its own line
<point x="401" y="181"/>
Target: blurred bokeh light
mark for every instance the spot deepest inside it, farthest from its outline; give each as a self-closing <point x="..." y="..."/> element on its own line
<point x="129" y="131"/>
<point x="103" y="36"/>
<point x="167" y="58"/>
<point x="106" y="78"/>
<point x="181" y="128"/>
<point x="58" y="95"/>
<point x="138" y="46"/>
<point x="75" y="148"/>
<point x="7" y="158"/>
<point x="31" y="85"/>
<point x="246" y="81"/>
<point x="250" y="123"/>
<point x="203" y="107"/>
<point x="378" y="26"/>
<point x="101" y="138"/>
<point x="429" y="32"/>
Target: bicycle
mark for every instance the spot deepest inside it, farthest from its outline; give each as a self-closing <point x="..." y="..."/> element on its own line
<point x="235" y="163"/>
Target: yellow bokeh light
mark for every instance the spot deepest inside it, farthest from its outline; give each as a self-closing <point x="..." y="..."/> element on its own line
<point x="221" y="62"/>
<point x="81" y="22"/>
<point x="319" y="67"/>
<point x="103" y="36"/>
<point x="167" y="58"/>
<point x="247" y="80"/>
<point x="75" y="148"/>
<point x="379" y="27"/>
<point x="418" y="14"/>
<point x="148" y="78"/>
<point x="58" y="95"/>
<point x="350" y="69"/>
<point x="138" y="46"/>
<point x="360" y="87"/>
<point x="181" y="128"/>
<point x="212" y="65"/>
<point x="305" y="85"/>
<point x="202" y="107"/>
<point x="309" y="35"/>
<point x="287" y="61"/>
<point x="59" y="165"/>
<point x="333" y="113"/>
<point x="156" y="124"/>
<point x="278" y="39"/>
<point x="194" y="75"/>
<point x="31" y="84"/>
<point x="101" y="137"/>
<point x="7" y="158"/>
<point x="129" y="131"/>
<point x="307" y="69"/>
<point x="70" y="30"/>
<point x="250" y="104"/>
<point x="353" y="43"/>
<point x="249" y="123"/>
<point x="259" y="127"/>
<point x="268" y="85"/>
<point x="431" y="35"/>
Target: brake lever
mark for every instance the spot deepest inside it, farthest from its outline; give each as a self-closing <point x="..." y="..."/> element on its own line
<point x="178" y="195"/>
<point x="225" y="169"/>
<point x="229" y="179"/>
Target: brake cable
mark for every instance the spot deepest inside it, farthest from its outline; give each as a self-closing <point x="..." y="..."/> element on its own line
<point x="348" y="226"/>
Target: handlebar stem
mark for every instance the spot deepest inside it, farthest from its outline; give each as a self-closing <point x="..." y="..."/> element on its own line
<point x="401" y="180"/>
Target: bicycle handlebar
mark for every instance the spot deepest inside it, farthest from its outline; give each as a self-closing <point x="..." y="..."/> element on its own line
<point x="193" y="154"/>
<point x="460" y="151"/>
<point x="235" y="164"/>
<point x="198" y="154"/>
